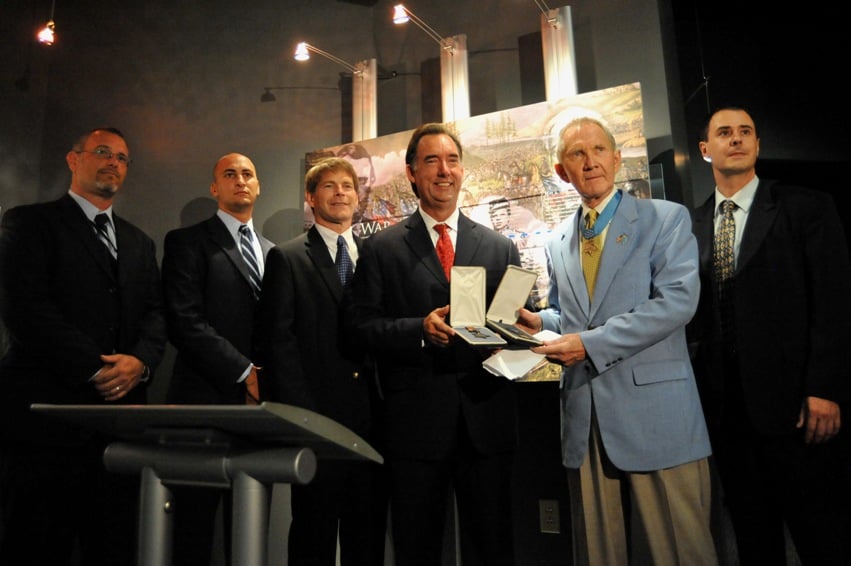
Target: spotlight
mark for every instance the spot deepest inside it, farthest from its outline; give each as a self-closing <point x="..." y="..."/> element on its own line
<point x="47" y="34"/>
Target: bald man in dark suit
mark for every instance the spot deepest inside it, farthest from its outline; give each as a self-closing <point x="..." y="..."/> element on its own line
<point x="210" y="305"/>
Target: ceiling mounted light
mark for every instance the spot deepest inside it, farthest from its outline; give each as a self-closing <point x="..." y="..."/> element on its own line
<point x="47" y="34"/>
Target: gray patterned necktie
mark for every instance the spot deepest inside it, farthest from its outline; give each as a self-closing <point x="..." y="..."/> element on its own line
<point x="723" y="250"/>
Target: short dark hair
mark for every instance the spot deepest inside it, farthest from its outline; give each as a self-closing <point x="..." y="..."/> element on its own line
<point x="81" y="141"/>
<point x="704" y="130"/>
<point x="428" y="129"/>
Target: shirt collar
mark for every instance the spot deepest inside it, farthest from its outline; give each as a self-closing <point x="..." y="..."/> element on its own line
<point x="330" y="236"/>
<point x="89" y="209"/>
<point x="601" y="206"/>
<point x="233" y="224"/>
<point x="452" y="221"/>
<point x="743" y="197"/>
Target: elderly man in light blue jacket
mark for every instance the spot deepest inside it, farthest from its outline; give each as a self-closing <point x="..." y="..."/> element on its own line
<point x="624" y="283"/>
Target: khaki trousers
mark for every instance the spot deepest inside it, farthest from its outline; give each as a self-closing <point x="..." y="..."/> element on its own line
<point x="648" y="518"/>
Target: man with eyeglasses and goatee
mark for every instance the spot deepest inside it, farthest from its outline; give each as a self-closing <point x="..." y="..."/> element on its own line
<point x="81" y="302"/>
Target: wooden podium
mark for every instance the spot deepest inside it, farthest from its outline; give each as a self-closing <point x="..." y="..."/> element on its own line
<point x="244" y="448"/>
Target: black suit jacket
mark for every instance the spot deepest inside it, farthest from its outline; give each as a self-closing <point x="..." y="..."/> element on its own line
<point x="792" y="306"/>
<point x="64" y="305"/>
<point x="210" y="310"/>
<point x="427" y="390"/>
<point x="298" y="337"/>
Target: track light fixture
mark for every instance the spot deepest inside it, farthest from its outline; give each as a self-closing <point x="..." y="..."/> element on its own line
<point x="402" y="15"/>
<point x="47" y="34"/>
<point x="302" y="53"/>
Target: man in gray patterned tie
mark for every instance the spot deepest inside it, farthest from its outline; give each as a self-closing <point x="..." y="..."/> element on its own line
<point x="771" y="342"/>
<point x="211" y="298"/>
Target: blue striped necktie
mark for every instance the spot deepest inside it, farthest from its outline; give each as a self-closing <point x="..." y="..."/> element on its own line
<point x="247" y="249"/>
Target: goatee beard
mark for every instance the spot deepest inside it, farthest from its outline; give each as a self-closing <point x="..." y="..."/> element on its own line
<point x="106" y="190"/>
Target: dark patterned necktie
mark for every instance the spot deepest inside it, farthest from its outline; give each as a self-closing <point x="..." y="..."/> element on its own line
<point x="246" y="247"/>
<point x="445" y="251"/>
<point x="592" y="249"/>
<point x="102" y="226"/>
<point x="723" y="249"/>
<point x="724" y="264"/>
<point x="343" y="261"/>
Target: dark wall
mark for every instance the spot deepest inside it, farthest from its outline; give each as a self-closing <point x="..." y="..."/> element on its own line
<point x="781" y="64"/>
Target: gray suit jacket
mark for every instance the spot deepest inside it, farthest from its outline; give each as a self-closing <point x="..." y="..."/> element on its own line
<point x="637" y="371"/>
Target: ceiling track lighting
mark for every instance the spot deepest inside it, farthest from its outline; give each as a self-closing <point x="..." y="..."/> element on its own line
<point x="47" y="34"/>
<point x="402" y="15"/>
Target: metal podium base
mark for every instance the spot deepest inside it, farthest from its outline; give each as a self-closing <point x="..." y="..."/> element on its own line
<point x="244" y="448"/>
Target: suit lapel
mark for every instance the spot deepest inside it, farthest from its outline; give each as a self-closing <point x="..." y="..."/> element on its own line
<point x="221" y="237"/>
<point x="616" y="248"/>
<point x="760" y="219"/>
<point x="467" y="242"/>
<point x="570" y="258"/>
<point x="79" y="225"/>
<point x="419" y="240"/>
<point x="704" y="231"/>
<point x="317" y="252"/>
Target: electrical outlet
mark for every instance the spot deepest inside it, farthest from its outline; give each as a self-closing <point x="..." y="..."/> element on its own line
<point x="549" y="516"/>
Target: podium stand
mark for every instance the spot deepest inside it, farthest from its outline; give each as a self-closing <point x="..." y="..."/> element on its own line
<point x="244" y="448"/>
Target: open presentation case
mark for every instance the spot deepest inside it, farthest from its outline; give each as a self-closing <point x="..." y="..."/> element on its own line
<point x="494" y="328"/>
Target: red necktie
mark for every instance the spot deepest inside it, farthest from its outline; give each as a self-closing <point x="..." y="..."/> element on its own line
<point x="445" y="251"/>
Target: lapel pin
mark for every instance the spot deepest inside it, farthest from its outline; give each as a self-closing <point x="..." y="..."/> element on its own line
<point x="621" y="239"/>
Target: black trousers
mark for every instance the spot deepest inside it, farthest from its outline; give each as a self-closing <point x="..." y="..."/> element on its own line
<point x="771" y="480"/>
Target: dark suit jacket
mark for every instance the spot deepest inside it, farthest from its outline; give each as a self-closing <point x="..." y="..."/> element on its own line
<point x="791" y="301"/>
<point x="210" y="311"/>
<point x="427" y="390"/>
<point x="297" y="337"/>
<point x="64" y="306"/>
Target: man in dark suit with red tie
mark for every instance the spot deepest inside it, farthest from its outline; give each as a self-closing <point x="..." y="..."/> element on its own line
<point x="211" y="294"/>
<point x="771" y="344"/>
<point x="306" y="363"/>
<point x="85" y="323"/>
<point x="450" y="425"/>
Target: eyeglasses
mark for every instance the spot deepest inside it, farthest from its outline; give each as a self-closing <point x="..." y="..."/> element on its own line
<point x="105" y="153"/>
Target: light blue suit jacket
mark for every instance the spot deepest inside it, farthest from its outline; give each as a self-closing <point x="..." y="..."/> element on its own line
<point x="637" y="369"/>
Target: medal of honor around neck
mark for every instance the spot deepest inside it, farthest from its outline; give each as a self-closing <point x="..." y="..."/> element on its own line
<point x="588" y="234"/>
